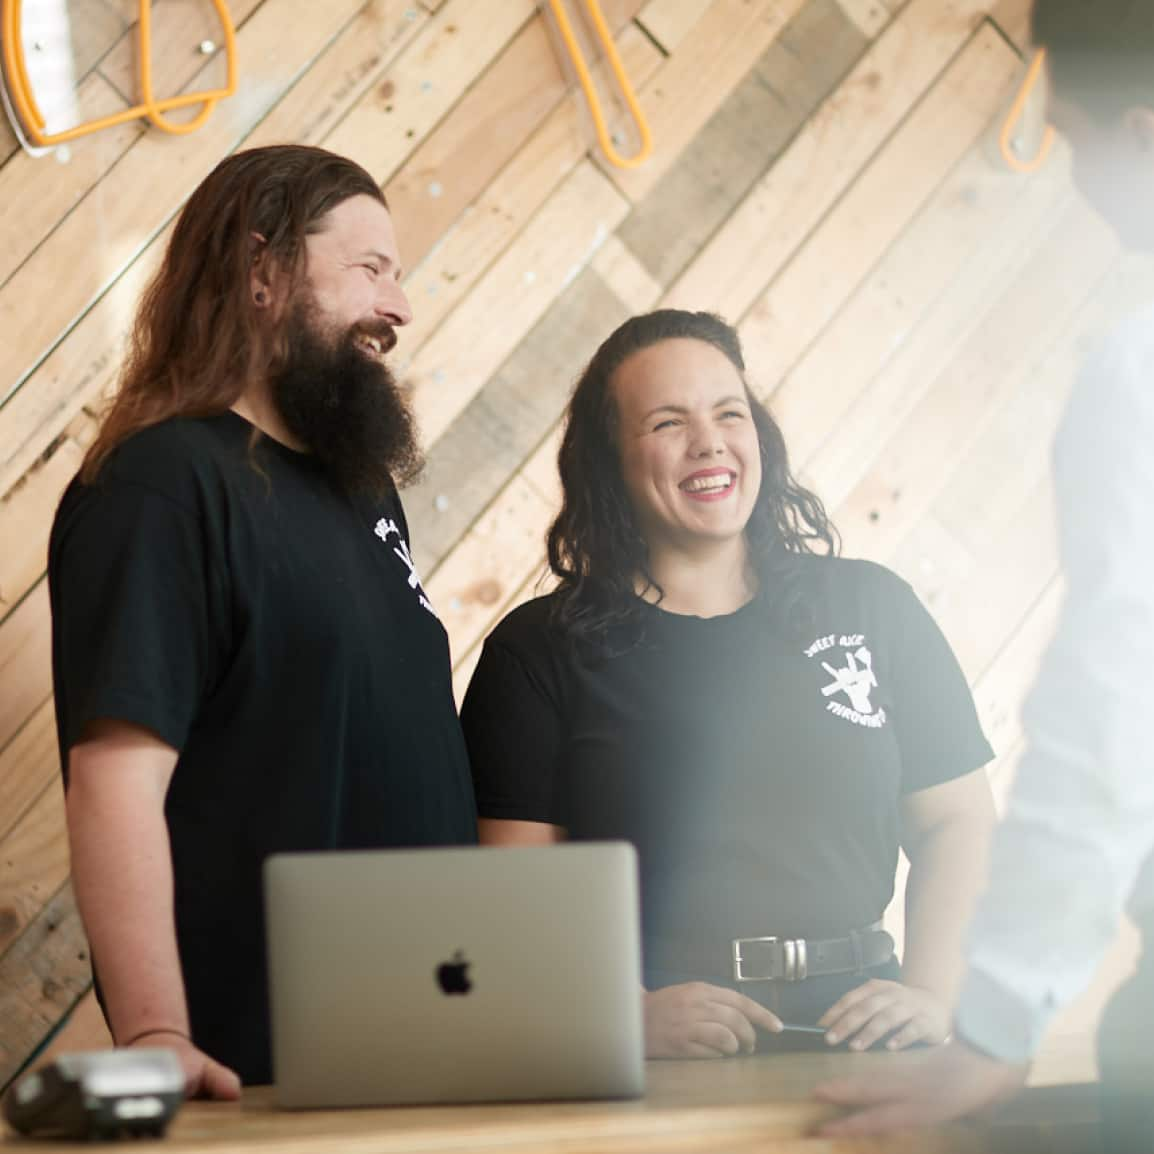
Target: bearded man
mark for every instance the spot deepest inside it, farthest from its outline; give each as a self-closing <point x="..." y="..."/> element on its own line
<point x="245" y="662"/>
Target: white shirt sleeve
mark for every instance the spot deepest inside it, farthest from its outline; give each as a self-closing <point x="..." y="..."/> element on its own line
<point x="1080" y="822"/>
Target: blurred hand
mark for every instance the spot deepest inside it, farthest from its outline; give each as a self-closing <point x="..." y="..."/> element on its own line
<point x="925" y="1090"/>
<point x="204" y="1077"/>
<point x="879" y="1007"/>
<point x="697" y="1020"/>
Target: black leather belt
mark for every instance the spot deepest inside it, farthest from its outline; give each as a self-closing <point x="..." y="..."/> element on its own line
<point x="775" y="959"/>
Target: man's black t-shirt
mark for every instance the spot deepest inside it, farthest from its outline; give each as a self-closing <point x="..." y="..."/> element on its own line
<point x="225" y="595"/>
<point x="759" y="776"/>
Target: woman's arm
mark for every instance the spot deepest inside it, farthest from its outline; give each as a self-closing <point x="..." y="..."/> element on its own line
<point x="118" y="776"/>
<point x="946" y="835"/>
<point x="500" y="831"/>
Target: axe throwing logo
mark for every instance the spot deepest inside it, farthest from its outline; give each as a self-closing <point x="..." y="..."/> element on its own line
<point x="852" y="678"/>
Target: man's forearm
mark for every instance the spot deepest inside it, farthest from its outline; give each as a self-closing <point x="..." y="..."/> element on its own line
<point x="122" y="877"/>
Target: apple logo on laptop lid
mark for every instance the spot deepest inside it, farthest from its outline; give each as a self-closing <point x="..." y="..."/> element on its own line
<point x="453" y="975"/>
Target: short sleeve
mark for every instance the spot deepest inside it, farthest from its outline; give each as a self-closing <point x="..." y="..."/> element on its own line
<point x="514" y="733"/>
<point x="939" y="735"/>
<point x="129" y="580"/>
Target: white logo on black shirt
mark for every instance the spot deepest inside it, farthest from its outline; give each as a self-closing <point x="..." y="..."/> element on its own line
<point x="386" y="528"/>
<point x="854" y="679"/>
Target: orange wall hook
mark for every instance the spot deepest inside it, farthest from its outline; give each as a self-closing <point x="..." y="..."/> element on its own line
<point x="1009" y="141"/>
<point x="585" y="79"/>
<point x="29" y="120"/>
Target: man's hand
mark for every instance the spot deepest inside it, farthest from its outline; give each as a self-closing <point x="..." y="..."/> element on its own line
<point x="879" y="1007"/>
<point x="697" y="1020"/>
<point x="204" y="1077"/>
<point x="927" y="1089"/>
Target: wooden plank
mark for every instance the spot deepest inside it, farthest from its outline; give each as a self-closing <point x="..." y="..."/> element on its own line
<point x="9" y="145"/>
<point x="935" y="342"/>
<point x="868" y="16"/>
<point x="1031" y="315"/>
<point x="147" y="186"/>
<point x="615" y="264"/>
<point x="1013" y="18"/>
<point x="179" y="27"/>
<point x="28" y="765"/>
<point x="25" y="661"/>
<point x="79" y="371"/>
<point x="1007" y="578"/>
<point x="465" y="666"/>
<point x="83" y="1030"/>
<point x="1016" y="445"/>
<point x="45" y="973"/>
<point x="484" y="132"/>
<point x="873" y="214"/>
<point x="33" y="863"/>
<point x="451" y="51"/>
<point x="95" y="27"/>
<point x="905" y="322"/>
<point x="487" y="566"/>
<point x="987" y="601"/>
<point x="468" y="348"/>
<point x="669" y="22"/>
<point x="510" y="416"/>
<point x="489" y="126"/>
<point x="785" y="207"/>
<point x="36" y="192"/>
<point x="540" y="470"/>
<point x="694" y="82"/>
<point x="1002" y="688"/>
<point x="460" y="258"/>
<point x="138" y="197"/>
<point x="354" y="61"/>
<point x="540" y="475"/>
<point x="26" y="517"/>
<point x="743" y="138"/>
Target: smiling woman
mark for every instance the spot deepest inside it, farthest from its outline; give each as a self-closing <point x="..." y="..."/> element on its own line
<point x="765" y="720"/>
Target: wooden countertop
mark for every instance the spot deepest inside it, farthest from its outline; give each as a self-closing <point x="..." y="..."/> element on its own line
<point x="737" y="1106"/>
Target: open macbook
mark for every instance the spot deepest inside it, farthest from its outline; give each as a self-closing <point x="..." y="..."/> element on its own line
<point x="455" y="975"/>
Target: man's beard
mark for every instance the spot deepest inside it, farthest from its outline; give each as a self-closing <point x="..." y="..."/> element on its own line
<point x="345" y="407"/>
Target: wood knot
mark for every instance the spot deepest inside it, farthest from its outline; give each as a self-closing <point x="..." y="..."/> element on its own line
<point x="485" y="592"/>
<point x="9" y="923"/>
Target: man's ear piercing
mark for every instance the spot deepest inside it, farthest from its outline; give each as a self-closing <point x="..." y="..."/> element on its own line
<point x="259" y="297"/>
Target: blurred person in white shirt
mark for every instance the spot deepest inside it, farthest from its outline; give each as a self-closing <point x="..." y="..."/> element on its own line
<point x="1077" y="844"/>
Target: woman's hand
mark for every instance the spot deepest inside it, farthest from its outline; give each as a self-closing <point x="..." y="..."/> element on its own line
<point x="204" y="1077"/>
<point x="697" y="1020"/>
<point x="879" y="1007"/>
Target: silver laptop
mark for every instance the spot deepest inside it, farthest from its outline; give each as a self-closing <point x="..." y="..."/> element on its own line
<point x="455" y="975"/>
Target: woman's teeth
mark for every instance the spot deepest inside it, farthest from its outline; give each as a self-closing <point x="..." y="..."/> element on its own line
<point x="708" y="484"/>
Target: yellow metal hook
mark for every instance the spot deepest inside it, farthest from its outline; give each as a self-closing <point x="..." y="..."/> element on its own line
<point x="1006" y="141"/>
<point x="585" y="78"/>
<point x="32" y="120"/>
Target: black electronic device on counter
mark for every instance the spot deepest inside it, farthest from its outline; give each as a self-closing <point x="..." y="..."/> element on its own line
<point x="105" y="1094"/>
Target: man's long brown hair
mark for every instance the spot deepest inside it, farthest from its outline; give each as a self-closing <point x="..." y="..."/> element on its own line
<point x="196" y="340"/>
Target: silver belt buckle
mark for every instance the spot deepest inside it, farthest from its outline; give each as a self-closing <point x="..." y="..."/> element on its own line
<point x="795" y="964"/>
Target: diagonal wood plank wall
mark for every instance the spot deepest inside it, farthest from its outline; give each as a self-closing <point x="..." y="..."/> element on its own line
<point x="823" y="175"/>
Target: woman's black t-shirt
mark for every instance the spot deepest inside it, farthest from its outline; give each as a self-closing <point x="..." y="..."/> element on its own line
<point x="759" y="775"/>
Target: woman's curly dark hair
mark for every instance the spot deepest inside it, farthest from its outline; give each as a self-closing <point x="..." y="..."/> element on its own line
<point x="596" y="548"/>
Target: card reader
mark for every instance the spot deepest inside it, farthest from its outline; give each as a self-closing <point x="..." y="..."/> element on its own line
<point x="105" y="1094"/>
